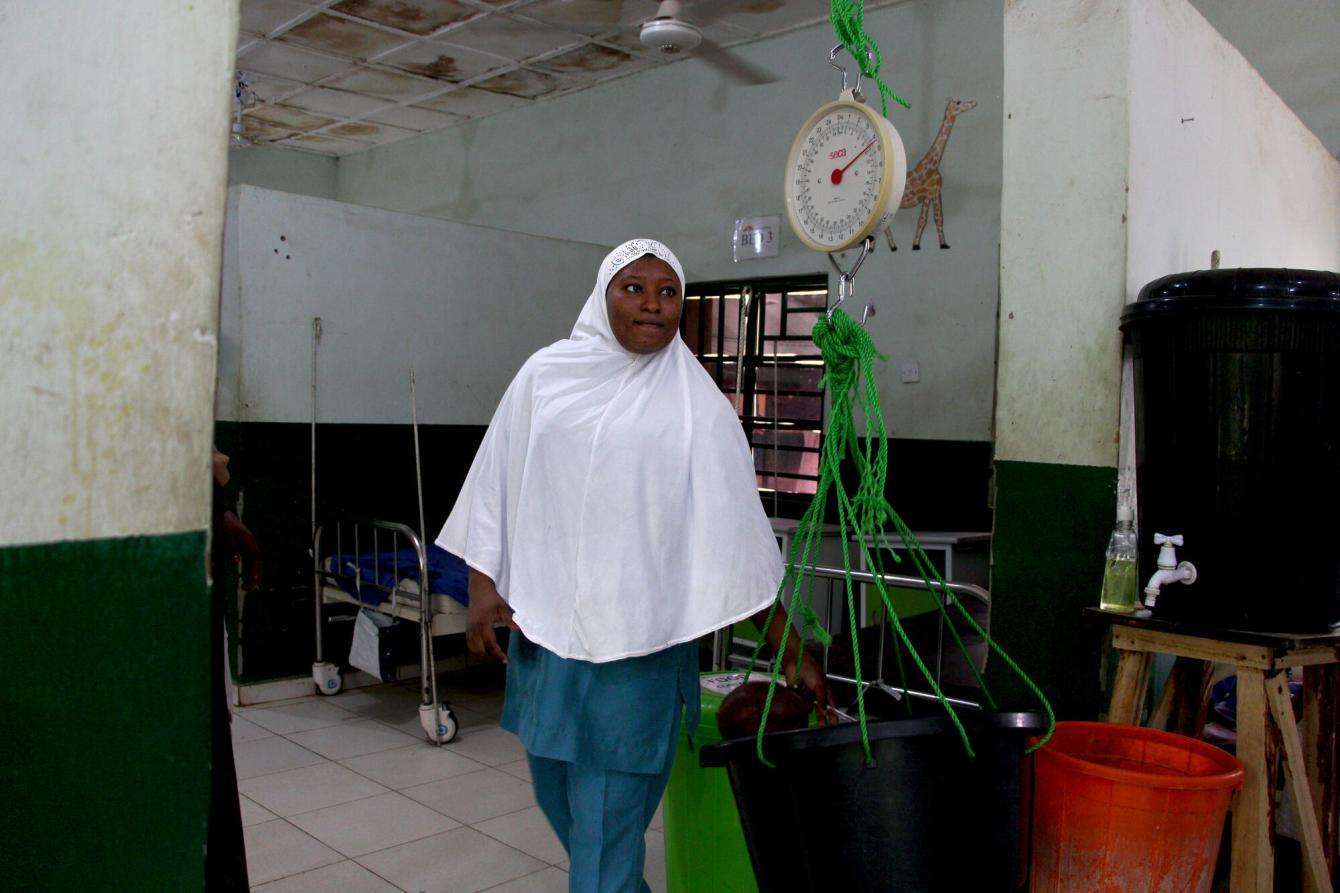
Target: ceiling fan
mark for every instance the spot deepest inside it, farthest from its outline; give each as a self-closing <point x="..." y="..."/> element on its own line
<point x="670" y="33"/>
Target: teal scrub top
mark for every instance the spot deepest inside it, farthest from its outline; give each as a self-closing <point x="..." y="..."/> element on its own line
<point x="621" y="716"/>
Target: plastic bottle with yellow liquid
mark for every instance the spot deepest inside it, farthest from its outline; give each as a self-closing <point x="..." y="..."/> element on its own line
<point x="1119" y="577"/>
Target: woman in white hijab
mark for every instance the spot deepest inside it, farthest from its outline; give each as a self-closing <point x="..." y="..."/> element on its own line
<point x="611" y="519"/>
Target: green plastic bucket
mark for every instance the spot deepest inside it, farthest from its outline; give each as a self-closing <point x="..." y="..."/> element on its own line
<point x="704" y="844"/>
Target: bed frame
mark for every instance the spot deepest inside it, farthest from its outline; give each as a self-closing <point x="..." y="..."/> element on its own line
<point x="437" y="614"/>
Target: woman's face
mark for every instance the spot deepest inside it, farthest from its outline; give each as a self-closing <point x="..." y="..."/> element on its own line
<point x="644" y="303"/>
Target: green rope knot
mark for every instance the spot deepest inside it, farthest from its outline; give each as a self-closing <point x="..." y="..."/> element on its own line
<point x="848" y="19"/>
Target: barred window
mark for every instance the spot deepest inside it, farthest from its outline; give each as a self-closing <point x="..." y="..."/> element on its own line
<point x="777" y="391"/>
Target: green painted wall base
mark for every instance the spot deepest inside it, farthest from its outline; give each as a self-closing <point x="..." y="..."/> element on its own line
<point x="1051" y="530"/>
<point x="105" y="699"/>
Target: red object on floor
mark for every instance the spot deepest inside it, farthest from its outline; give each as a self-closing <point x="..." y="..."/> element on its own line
<point x="1122" y="808"/>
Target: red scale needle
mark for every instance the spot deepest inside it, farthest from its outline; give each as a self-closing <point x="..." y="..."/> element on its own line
<point x="839" y="171"/>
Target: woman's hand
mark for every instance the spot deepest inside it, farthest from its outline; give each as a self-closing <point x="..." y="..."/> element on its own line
<point x="244" y="548"/>
<point x="487" y="611"/>
<point x="801" y="669"/>
<point x="810" y="678"/>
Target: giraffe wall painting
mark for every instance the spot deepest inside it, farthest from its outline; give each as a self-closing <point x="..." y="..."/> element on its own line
<point x="924" y="180"/>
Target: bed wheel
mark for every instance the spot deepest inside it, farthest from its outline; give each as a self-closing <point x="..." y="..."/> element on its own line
<point x="446" y="731"/>
<point x="327" y="677"/>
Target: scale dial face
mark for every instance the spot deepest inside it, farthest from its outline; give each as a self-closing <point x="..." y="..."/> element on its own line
<point x="845" y="174"/>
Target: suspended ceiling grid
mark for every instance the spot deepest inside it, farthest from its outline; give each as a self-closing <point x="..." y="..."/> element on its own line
<point x="341" y="76"/>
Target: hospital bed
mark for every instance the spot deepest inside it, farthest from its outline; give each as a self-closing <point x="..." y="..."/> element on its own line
<point x="381" y="566"/>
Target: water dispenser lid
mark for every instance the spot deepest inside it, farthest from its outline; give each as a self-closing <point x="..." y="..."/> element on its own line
<point x="1242" y="290"/>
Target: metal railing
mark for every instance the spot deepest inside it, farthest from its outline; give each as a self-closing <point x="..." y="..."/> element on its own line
<point x="966" y="592"/>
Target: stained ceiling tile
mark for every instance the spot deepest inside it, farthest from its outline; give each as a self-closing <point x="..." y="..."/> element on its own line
<point x="589" y="59"/>
<point x="287" y="116"/>
<point x="376" y="82"/>
<point x="586" y="16"/>
<point x="471" y="39"/>
<point x="339" y="103"/>
<point x="415" y="16"/>
<point x="327" y="145"/>
<point x="473" y="103"/>
<point x="509" y="37"/>
<point x="289" y="62"/>
<point x="521" y="82"/>
<point x="259" y="131"/>
<point x="442" y="61"/>
<point x="268" y="89"/>
<point x="626" y="38"/>
<point x="341" y="37"/>
<point x="415" y="118"/>
<point x="264" y="16"/>
<point x="369" y="131"/>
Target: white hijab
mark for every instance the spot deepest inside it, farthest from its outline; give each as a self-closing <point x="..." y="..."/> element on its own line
<point x="613" y="499"/>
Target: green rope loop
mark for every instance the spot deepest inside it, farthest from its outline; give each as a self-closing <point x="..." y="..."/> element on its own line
<point x="848" y="19"/>
<point x="863" y="515"/>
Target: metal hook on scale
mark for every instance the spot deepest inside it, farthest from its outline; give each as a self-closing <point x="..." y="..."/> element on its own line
<point x="855" y="91"/>
<point x="846" y="288"/>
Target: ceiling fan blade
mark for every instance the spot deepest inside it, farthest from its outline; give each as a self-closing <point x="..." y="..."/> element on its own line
<point x="732" y="66"/>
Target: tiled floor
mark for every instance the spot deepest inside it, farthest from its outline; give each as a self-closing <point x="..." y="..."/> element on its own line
<point x="344" y="794"/>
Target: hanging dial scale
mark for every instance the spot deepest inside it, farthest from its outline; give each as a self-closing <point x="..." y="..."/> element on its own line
<point x="845" y="173"/>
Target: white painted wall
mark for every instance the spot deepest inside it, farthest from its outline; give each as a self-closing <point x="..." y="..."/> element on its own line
<point x="1295" y="45"/>
<point x="465" y="305"/>
<point x="1107" y="188"/>
<point x="1063" y="230"/>
<point x="678" y="154"/>
<point x="114" y="181"/>
<point x="1217" y="160"/>
<point x="287" y="170"/>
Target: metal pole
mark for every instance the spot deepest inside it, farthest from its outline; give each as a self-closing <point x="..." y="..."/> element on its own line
<point x="721" y="640"/>
<point x="428" y="678"/>
<point x="418" y="472"/>
<point x="316" y="558"/>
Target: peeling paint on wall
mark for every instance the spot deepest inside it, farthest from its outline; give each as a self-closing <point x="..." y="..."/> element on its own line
<point x="1063" y="240"/>
<point x="109" y="264"/>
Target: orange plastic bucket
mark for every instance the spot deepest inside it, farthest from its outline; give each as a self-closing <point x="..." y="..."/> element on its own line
<point x="1127" y="809"/>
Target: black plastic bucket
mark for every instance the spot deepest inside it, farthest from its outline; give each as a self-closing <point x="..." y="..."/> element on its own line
<point x="1237" y="416"/>
<point x="926" y="816"/>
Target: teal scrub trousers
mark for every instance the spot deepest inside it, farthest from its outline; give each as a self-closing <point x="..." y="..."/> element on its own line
<point x="600" y="740"/>
<point x="601" y="817"/>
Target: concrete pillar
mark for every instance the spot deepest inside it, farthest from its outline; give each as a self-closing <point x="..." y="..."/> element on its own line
<point x="114" y="175"/>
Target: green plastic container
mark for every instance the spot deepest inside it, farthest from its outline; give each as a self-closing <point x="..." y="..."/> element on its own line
<point x="704" y="845"/>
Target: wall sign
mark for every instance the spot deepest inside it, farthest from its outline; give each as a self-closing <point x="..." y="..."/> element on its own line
<point x="756" y="237"/>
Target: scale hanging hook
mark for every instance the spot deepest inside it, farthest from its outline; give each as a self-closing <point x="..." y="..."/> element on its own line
<point x="846" y="288"/>
<point x="855" y="91"/>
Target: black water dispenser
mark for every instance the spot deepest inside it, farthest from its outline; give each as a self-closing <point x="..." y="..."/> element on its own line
<point x="1237" y="418"/>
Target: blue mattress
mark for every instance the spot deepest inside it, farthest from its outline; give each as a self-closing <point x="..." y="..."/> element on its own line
<point x="447" y="574"/>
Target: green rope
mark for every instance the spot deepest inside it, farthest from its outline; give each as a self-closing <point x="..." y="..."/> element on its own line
<point x="848" y="18"/>
<point x="863" y="515"/>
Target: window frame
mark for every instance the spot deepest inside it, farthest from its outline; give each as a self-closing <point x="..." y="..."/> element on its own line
<point x="719" y="359"/>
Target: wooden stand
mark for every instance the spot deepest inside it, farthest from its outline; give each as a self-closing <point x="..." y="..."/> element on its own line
<point x="1265" y="724"/>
